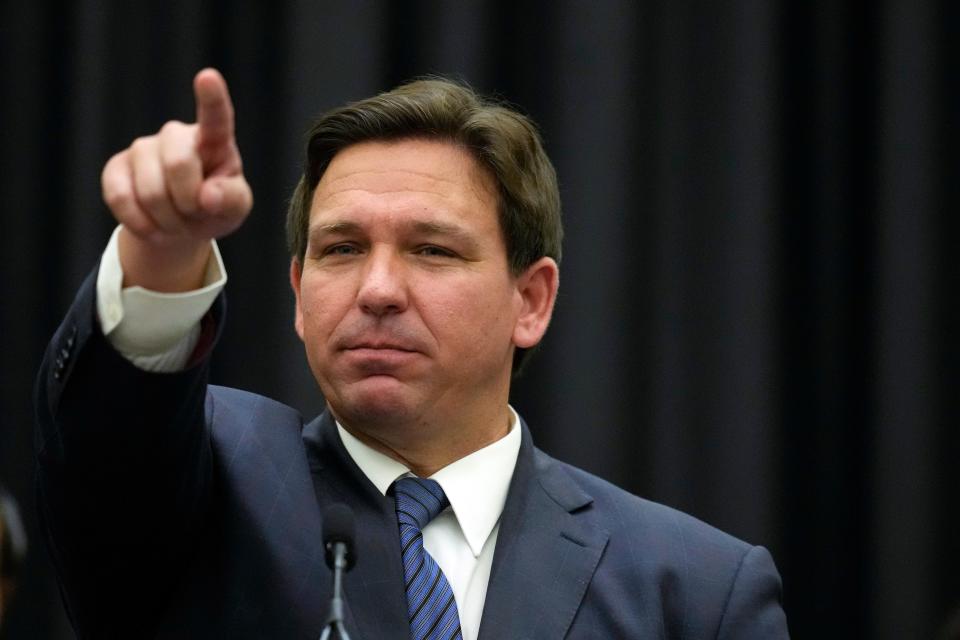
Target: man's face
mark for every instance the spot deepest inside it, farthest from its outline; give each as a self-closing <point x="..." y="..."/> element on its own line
<point x="405" y="302"/>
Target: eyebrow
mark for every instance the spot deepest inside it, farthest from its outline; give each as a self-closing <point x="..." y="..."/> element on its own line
<point x="442" y="229"/>
<point x="423" y="227"/>
<point x="334" y="227"/>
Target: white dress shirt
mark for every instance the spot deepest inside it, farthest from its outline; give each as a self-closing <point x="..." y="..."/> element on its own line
<point x="462" y="538"/>
<point x="158" y="332"/>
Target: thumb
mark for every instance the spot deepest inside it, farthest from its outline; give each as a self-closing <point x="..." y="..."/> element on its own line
<point x="228" y="196"/>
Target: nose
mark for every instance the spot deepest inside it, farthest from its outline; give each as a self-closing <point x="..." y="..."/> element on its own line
<point x="383" y="287"/>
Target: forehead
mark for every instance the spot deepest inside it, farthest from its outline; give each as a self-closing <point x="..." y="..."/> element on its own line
<point x="408" y="171"/>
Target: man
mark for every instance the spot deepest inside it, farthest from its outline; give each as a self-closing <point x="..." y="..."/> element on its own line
<point x="425" y="235"/>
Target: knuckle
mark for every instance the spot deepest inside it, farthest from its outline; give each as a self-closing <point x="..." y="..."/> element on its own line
<point x="142" y="146"/>
<point x="172" y="127"/>
<point x="151" y="197"/>
<point x="116" y="192"/>
<point x="107" y="176"/>
<point x="113" y="166"/>
<point x="140" y="142"/>
<point x="116" y="198"/>
<point x="178" y="157"/>
<point x="178" y="161"/>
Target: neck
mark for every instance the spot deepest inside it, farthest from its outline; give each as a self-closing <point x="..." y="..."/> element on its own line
<point x="425" y="449"/>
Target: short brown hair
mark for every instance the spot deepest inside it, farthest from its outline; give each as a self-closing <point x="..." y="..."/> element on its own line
<point x="502" y="140"/>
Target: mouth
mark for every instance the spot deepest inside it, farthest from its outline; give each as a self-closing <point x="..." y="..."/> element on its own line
<point x="379" y="358"/>
<point x="396" y="340"/>
<point x="380" y="346"/>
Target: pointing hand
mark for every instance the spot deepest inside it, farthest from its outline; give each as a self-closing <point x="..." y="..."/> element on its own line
<point x="176" y="190"/>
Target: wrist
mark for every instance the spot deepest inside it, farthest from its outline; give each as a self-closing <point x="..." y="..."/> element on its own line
<point x="166" y="265"/>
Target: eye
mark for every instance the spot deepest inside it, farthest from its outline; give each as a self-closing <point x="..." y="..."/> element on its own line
<point x="341" y="250"/>
<point x="433" y="251"/>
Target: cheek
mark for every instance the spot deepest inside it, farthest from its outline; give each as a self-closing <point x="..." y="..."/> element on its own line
<point x="322" y="305"/>
<point x="477" y="323"/>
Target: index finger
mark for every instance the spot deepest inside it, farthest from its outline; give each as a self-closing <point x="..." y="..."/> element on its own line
<point x="214" y="108"/>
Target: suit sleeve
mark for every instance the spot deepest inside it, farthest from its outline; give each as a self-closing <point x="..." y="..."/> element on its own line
<point x="123" y="473"/>
<point x="754" y="608"/>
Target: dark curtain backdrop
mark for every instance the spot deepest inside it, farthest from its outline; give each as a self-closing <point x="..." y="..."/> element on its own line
<point x="755" y="320"/>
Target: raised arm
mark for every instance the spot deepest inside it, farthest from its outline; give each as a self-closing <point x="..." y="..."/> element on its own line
<point x="125" y="470"/>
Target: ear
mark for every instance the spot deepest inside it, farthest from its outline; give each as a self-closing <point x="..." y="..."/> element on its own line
<point x="295" y="274"/>
<point x="537" y="288"/>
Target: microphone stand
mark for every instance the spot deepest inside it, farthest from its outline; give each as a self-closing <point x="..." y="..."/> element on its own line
<point x="335" y="617"/>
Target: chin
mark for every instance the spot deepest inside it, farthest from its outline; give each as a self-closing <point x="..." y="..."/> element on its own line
<point x="378" y="401"/>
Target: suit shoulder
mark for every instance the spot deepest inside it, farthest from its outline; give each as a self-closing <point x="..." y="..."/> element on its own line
<point x="637" y="516"/>
<point x="699" y="580"/>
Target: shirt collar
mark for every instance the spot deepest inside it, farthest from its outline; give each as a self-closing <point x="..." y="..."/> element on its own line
<point x="476" y="484"/>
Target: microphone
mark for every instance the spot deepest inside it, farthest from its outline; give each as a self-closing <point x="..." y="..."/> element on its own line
<point x="338" y="552"/>
<point x="338" y="535"/>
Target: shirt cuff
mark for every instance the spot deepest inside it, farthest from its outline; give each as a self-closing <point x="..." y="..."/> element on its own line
<point x="156" y="331"/>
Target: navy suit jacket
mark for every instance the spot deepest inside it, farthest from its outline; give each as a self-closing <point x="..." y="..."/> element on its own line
<point x="174" y="508"/>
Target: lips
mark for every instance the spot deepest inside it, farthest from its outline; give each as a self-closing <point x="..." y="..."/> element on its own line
<point x="373" y="340"/>
<point x="379" y="345"/>
<point x="379" y="358"/>
<point x="380" y="350"/>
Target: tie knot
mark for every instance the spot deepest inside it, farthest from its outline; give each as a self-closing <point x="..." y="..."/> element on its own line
<point x="419" y="498"/>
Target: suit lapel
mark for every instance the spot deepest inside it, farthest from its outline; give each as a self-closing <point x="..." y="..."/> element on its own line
<point x="374" y="587"/>
<point x="546" y="552"/>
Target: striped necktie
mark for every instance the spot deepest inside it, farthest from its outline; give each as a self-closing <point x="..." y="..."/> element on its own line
<point x="430" y="604"/>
